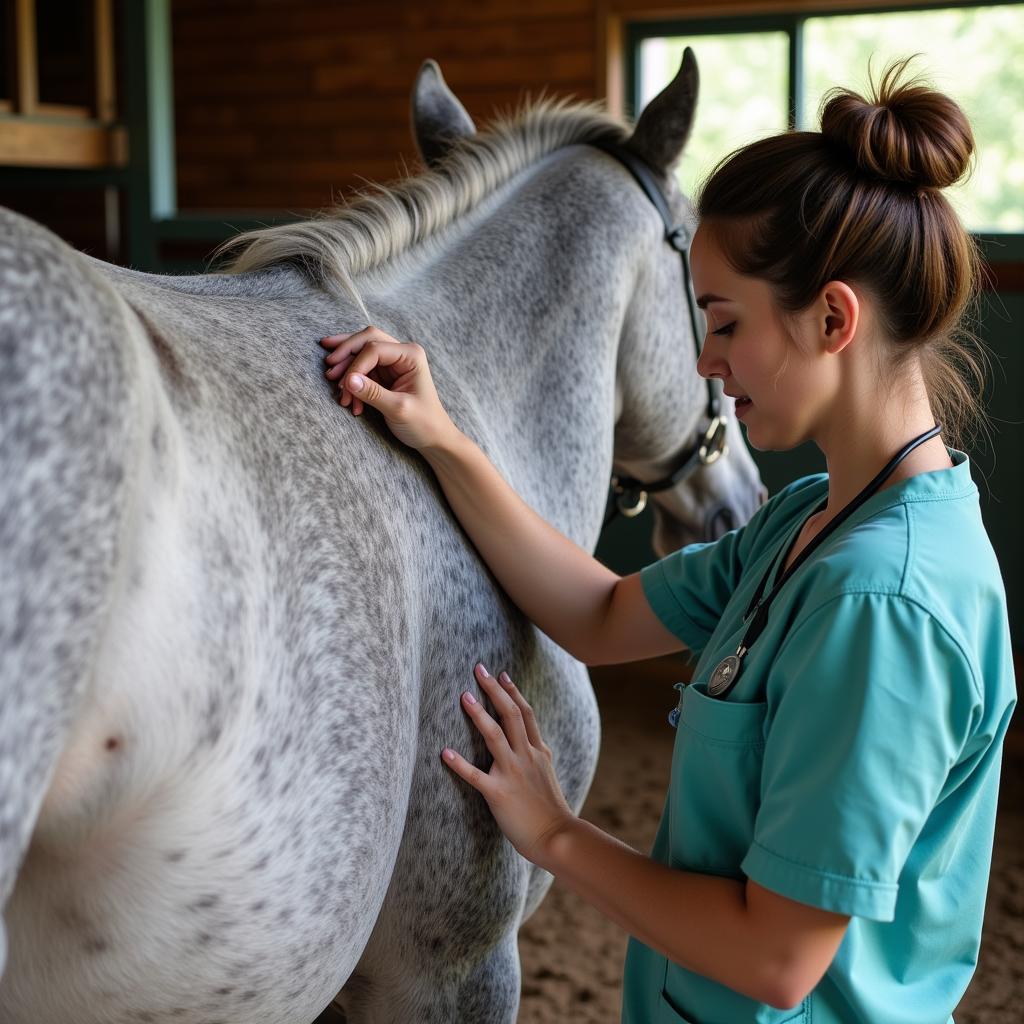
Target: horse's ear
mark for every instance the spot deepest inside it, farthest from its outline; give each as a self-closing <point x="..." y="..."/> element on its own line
<point x="664" y="126"/>
<point x="438" y="118"/>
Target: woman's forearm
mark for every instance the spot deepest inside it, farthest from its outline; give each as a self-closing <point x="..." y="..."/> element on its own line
<point x="553" y="581"/>
<point x="768" y="948"/>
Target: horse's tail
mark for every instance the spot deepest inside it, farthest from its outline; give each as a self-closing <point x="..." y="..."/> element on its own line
<point x="69" y="417"/>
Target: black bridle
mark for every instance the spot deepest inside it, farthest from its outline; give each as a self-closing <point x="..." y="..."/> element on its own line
<point x="631" y="494"/>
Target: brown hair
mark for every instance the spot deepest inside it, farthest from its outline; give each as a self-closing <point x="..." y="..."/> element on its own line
<point x="860" y="201"/>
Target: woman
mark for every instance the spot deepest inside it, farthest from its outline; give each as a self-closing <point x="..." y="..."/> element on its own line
<point x="826" y="842"/>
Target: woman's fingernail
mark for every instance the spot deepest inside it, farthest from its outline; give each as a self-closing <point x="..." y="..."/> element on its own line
<point x="448" y="754"/>
<point x="469" y="698"/>
<point x="504" y="677"/>
<point x="355" y="382"/>
<point x="482" y="670"/>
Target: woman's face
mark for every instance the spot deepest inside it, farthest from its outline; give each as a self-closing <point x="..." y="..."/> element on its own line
<point x="777" y="374"/>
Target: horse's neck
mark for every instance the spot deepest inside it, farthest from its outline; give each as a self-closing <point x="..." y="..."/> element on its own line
<point x="520" y="312"/>
<point x="519" y="286"/>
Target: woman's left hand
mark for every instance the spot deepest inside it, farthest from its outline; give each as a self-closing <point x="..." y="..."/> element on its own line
<point x="521" y="788"/>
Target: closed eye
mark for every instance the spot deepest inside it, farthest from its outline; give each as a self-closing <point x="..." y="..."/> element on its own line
<point x="726" y="329"/>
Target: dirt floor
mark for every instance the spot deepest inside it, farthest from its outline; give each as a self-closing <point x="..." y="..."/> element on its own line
<point x="572" y="957"/>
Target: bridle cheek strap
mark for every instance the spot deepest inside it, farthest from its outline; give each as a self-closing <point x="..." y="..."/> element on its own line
<point x="630" y="494"/>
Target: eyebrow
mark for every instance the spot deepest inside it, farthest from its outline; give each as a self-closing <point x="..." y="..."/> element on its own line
<point x="702" y="302"/>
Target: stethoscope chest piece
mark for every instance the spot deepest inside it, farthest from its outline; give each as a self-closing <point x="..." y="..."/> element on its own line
<point x="724" y="676"/>
<point x="673" y="715"/>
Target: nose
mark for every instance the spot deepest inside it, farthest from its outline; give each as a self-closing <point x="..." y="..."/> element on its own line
<point x="710" y="362"/>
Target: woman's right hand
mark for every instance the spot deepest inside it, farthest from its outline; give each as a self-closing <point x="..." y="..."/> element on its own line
<point x="374" y="369"/>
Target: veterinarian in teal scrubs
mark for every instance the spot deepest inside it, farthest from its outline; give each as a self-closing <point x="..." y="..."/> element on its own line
<point x="854" y="766"/>
<point x="825" y="846"/>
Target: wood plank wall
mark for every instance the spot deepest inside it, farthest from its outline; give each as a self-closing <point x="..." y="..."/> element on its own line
<point x="284" y="103"/>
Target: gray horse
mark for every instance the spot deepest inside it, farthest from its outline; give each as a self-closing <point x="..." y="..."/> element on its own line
<point x="234" y="621"/>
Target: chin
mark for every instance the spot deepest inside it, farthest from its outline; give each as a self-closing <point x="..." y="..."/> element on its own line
<point x="770" y="435"/>
<point x="763" y="441"/>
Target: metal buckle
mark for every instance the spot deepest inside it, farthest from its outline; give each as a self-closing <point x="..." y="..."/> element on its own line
<point x="623" y="497"/>
<point x="713" y="447"/>
<point x="632" y="511"/>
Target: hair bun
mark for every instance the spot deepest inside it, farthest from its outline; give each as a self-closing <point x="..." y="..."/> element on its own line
<point x="905" y="133"/>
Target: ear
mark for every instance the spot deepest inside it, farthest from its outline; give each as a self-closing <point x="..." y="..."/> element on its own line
<point x="438" y="118"/>
<point x="838" y="315"/>
<point x="665" y="124"/>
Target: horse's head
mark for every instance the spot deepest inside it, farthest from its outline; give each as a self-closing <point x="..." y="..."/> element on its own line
<point x="660" y="401"/>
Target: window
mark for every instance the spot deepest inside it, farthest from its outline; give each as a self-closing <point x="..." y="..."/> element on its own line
<point x="762" y="74"/>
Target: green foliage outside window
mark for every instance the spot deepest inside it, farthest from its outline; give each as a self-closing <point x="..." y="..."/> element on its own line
<point x="976" y="55"/>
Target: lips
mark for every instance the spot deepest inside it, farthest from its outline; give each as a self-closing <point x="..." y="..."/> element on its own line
<point x="742" y="401"/>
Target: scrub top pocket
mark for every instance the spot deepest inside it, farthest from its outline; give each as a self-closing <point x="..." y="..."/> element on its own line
<point x="716" y="780"/>
<point x="713" y="802"/>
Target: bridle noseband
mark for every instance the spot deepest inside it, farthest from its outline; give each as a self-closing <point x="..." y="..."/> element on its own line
<point x="630" y="493"/>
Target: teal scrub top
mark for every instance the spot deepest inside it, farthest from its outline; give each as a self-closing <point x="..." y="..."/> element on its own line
<point x="855" y="764"/>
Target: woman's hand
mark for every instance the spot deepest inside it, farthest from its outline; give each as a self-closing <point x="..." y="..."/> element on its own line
<point x="521" y="788"/>
<point x="392" y="377"/>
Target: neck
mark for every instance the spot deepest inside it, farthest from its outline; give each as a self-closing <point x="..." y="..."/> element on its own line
<point x="865" y="432"/>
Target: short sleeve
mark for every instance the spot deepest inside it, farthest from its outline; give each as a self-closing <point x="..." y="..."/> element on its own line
<point x="870" y="702"/>
<point x="689" y="589"/>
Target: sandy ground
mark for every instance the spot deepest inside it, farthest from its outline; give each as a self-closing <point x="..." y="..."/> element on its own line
<point x="572" y="957"/>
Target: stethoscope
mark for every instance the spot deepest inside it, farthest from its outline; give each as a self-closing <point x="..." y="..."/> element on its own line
<point x="727" y="671"/>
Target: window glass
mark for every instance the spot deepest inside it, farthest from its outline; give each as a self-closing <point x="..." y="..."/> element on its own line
<point x="975" y="54"/>
<point x="743" y="92"/>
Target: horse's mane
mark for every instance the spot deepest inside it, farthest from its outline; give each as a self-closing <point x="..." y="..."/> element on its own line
<point x="379" y="223"/>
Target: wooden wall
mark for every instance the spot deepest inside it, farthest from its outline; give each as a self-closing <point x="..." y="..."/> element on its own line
<point x="282" y="103"/>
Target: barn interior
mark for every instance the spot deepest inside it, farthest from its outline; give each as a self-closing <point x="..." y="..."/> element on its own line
<point x="145" y="132"/>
